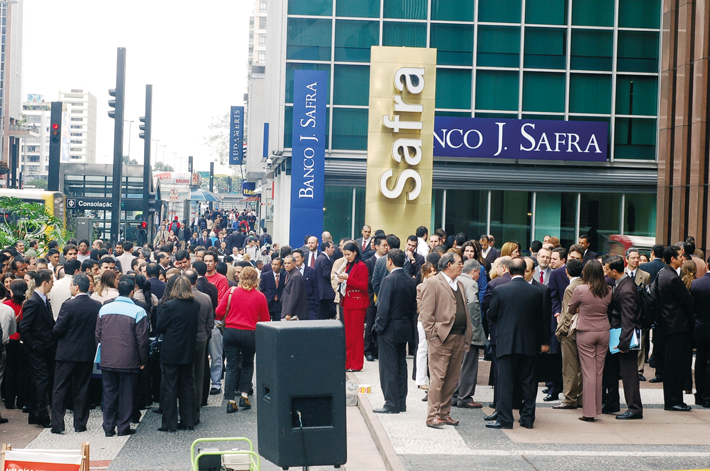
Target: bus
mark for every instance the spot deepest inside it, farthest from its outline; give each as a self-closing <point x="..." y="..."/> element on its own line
<point x="52" y="200"/>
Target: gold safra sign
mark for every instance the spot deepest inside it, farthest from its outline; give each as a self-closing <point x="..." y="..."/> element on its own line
<point x="400" y="142"/>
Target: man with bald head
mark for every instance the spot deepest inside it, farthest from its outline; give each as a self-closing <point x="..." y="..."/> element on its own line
<point x="337" y="253"/>
<point x="311" y="251"/>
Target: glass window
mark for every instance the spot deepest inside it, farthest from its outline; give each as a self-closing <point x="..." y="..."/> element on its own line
<point x="351" y="85"/>
<point x="288" y="126"/>
<point x="437" y="198"/>
<point x="262" y="40"/>
<point x="357" y="9"/>
<point x="592" y="49"/>
<point x="452" y="114"/>
<point x="546" y="117"/>
<point x="499" y="11"/>
<point x="543" y="92"/>
<point x="640" y="215"/>
<point x="556" y="215"/>
<point x="349" y="129"/>
<point x="452" y="10"/>
<point x="308" y="39"/>
<point x="353" y="40"/>
<point x="360" y="195"/>
<point x="403" y="34"/>
<point x="637" y="51"/>
<point x="290" y="67"/>
<point x="639" y="13"/>
<point x="498" y="46"/>
<point x="454" y="43"/>
<point x="496" y="90"/>
<point x="337" y="211"/>
<point x="453" y="88"/>
<point x="635" y="138"/>
<point x="599" y="216"/>
<point x="511" y="216"/>
<point x="545" y="48"/>
<point x="310" y="7"/>
<point x="546" y="12"/>
<point x="593" y="12"/>
<point x="467" y="212"/>
<point x="406" y="9"/>
<point x="636" y="95"/>
<point x="262" y="22"/>
<point x="590" y="94"/>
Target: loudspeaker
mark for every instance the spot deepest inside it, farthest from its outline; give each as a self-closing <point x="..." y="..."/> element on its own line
<point x="300" y="381"/>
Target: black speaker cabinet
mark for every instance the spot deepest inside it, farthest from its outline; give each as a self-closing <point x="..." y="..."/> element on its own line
<point x="300" y="393"/>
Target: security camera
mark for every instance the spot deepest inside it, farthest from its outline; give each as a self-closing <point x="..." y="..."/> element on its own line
<point x="269" y="161"/>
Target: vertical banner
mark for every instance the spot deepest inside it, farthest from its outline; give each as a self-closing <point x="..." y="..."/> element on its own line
<point x="310" y="92"/>
<point x="248" y="188"/>
<point x="236" y="135"/>
<point x="400" y="139"/>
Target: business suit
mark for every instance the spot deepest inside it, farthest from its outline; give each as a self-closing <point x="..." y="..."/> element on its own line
<point x="545" y="275"/>
<point x="437" y="313"/>
<point x="393" y="326"/>
<point x="36" y="333"/>
<point x="355" y="303"/>
<point x="273" y="291"/>
<point x="325" y="292"/>
<point x="310" y="279"/>
<point x="700" y="290"/>
<point x="641" y="278"/>
<point x="367" y="251"/>
<point x="468" y="378"/>
<point x="493" y="377"/>
<point x="492" y="255"/>
<point x="624" y="313"/>
<point x="652" y="268"/>
<point x="571" y="369"/>
<point x="205" y="242"/>
<point x="657" y="358"/>
<point x="588" y="255"/>
<point x="294" y="302"/>
<point x="547" y="366"/>
<point x="516" y="307"/>
<point x="205" y="325"/>
<point x="371" y="314"/>
<point x="677" y="306"/>
<point x="558" y="283"/>
<point x="76" y="348"/>
<point x="157" y="287"/>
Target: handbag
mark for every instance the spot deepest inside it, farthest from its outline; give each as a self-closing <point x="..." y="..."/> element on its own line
<point x="573" y="325"/>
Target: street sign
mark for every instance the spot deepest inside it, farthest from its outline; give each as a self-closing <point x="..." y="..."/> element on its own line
<point x="82" y="203"/>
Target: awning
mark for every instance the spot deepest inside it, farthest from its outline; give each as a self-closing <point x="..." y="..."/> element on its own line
<point x="204" y="195"/>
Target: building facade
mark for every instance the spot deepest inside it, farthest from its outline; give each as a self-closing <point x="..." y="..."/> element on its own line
<point x="81" y="108"/>
<point x="572" y="60"/>
<point x="34" y="154"/>
<point x="10" y="73"/>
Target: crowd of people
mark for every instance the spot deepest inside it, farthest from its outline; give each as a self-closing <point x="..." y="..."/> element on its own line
<point x="169" y="322"/>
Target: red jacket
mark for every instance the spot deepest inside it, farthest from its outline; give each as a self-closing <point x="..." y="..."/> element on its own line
<point x="356" y="291"/>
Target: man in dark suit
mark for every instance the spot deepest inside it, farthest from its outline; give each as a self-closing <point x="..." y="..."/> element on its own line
<point x="656" y="263"/>
<point x="677" y="323"/>
<point x="364" y="242"/>
<point x="205" y="240"/>
<point x="272" y="285"/>
<point x="214" y="345"/>
<point x="700" y="290"/>
<point x="587" y="255"/>
<point x="310" y="251"/>
<point x="381" y="249"/>
<point x="558" y="283"/>
<point x="157" y="287"/>
<point x="489" y="252"/>
<point x="415" y="261"/>
<point x="546" y="365"/>
<point x="203" y="285"/>
<point x="657" y="358"/>
<point x="310" y="278"/>
<point x="36" y="334"/>
<point x="516" y="307"/>
<point x="294" y="304"/>
<point x="323" y="268"/>
<point x="397" y="305"/>
<point x="502" y="279"/>
<point x="76" y="349"/>
<point x="623" y="313"/>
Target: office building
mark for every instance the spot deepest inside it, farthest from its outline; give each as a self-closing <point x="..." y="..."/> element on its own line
<point x="81" y="109"/>
<point x="34" y="154"/>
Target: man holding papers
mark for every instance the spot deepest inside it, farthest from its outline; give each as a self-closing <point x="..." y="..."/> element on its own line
<point x="624" y="314"/>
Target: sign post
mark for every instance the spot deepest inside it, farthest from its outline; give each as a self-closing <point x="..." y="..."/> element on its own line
<point x="236" y="135"/>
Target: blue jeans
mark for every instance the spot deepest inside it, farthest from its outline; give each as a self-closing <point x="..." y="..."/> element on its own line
<point x="215" y="349"/>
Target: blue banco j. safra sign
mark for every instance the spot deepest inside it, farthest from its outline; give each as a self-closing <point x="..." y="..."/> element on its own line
<point x="520" y="139"/>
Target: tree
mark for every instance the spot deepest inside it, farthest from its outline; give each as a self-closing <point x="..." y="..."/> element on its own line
<point x="41" y="184"/>
<point x="128" y="160"/>
<point x="27" y="221"/>
<point x="218" y="138"/>
<point x="162" y="167"/>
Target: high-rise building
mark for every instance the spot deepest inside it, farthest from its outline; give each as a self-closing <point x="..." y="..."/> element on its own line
<point x="81" y="109"/>
<point x="10" y="73"/>
<point x="34" y="154"/>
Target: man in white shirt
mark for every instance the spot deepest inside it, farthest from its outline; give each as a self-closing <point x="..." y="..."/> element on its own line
<point x="422" y="234"/>
<point x="124" y="254"/>
<point x="62" y="287"/>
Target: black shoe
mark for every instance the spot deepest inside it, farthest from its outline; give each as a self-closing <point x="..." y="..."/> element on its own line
<point x="163" y="429"/>
<point x="498" y="425"/>
<point x="215" y="391"/>
<point x="180" y="426"/>
<point x="551" y="397"/>
<point x="678" y="408"/>
<point x="56" y="430"/>
<point x="369" y="358"/>
<point x="656" y="379"/>
<point x="493" y="416"/>
<point x="525" y="424"/>
<point x="244" y="403"/>
<point x="628" y="415"/>
<point x="110" y="434"/>
<point x="426" y="397"/>
<point x="232" y="407"/>
<point x="642" y="377"/>
<point x="546" y="390"/>
<point x="46" y="424"/>
<point x="25" y="410"/>
<point x="130" y="431"/>
<point x="136" y="419"/>
<point x="384" y="411"/>
<point x="609" y="411"/>
<point x="3" y="420"/>
<point x="10" y="406"/>
<point x="158" y="411"/>
<point x="706" y="404"/>
<point x="79" y="429"/>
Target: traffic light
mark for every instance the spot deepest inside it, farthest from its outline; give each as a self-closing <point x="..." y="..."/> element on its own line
<point x="112" y="104"/>
<point x="56" y="133"/>
<point x="142" y="127"/>
<point x="142" y="235"/>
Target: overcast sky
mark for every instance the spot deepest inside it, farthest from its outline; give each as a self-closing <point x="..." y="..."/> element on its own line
<point x="193" y="53"/>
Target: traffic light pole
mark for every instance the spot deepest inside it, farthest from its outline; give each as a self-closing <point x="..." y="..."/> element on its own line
<point x="211" y="182"/>
<point x="118" y="145"/>
<point x="55" y="145"/>
<point x="146" y="151"/>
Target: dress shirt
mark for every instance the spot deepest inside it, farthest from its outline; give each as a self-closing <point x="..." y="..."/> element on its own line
<point x="422" y="247"/>
<point x="616" y="283"/>
<point x="43" y="296"/>
<point x="452" y="283"/>
<point x="484" y="253"/>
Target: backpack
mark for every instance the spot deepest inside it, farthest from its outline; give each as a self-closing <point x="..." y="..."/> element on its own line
<point x="650" y="301"/>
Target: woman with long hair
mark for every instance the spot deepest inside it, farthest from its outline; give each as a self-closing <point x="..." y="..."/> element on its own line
<point x="420" y="363"/>
<point x="688" y="273"/>
<point x="590" y="301"/>
<point x="8" y="278"/>
<point x="355" y="301"/>
<point x="143" y="293"/>
<point x="242" y="308"/>
<point x="107" y="287"/>
<point x="472" y="251"/>
<point x="16" y="372"/>
<point x="510" y="249"/>
<point x="178" y="324"/>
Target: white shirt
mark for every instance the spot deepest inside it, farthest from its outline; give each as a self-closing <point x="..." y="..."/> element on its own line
<point x="484" y="253"/>
<point x="61" y="291"/>
<point x="7" y="322"/>
<point x="422" y="247"/>
<point x="452" y="283"/>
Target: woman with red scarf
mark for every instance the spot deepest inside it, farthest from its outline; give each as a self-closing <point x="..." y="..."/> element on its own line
<point x="355" y="302"/>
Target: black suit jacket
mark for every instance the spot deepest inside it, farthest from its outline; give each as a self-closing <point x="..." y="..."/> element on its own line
<point x="588" y="256"/>
<point x="547" y="324"/>
<point x="700" y="290"/>
<point x="652" y="268"/>
<point x="416" y="267"/>
<point x="295" y="301"/>
<point x="178" y="323"/>
<point x="206" y="244"/>
<point x="396" y="307"/>
<point x="492" y="255"/>
<point x="516" y="307"/>
<point x="37" y="323"/>
<point x="75" y="329"/>
<point x="267" y="285"/>
<point x="624" y="311"/>
<point x="204" y="286"/>
<point x="310" y="278"/>
<point x="495" y="283"/>
<point x="559" y="281"/>
<point x="323" y="268"/>
<point x="677" y="304"/>
<point x="157" y="287"/>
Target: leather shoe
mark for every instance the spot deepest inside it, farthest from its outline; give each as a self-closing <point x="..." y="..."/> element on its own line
<point x="3" y="420"/>
<point x="46" y="424"/>
<point x="215" y="391"/>
<point x="426" y="397"/>
<point x="163" y="429"/>
<point x="450" y="421"/>
<point x="562" y="405"/>
<point x="435" y="423"/>
<point x="642" y="377"/>
<point x="498" y="425"/>
<point x="493" y="416"/>
<point x="158" y="411"/>
<point x="628" y="415"/>
<point x="130" y="431"/>
<point x="551" y="397"/>
<point x="678" y="408"/>
<point x="56" y="430"/>
<point x="471" y="405"/>
<point x="609" y="411"/>
<point x="525" y="424"/>
<point x="706" y="404"/>
<point x="110" y="434"/>
<point x="656" y="379"/>
<point x="180" y="426"/>
<point x="586" y="419"/>
<point x="79" y="429"/>
<point x="384" y="411"/>
<point x="369" y="358"/>
<point x="546" y="390"/>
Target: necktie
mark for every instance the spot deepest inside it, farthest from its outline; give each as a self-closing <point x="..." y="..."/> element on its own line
<point x="542" y="277"/>
<point x="313" y="260"/>
<point x="277" y="280"/>
<point x="364" y="245"/>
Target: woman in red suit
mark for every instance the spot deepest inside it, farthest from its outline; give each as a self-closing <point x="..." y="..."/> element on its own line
<point x="355" y="302"/>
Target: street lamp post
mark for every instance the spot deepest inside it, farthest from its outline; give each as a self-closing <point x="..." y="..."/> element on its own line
<point x="156" y="149"/>
<point x="130" y="125"/>
<point x="164" y="146"/>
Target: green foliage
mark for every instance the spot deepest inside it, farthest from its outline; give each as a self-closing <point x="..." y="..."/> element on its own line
<point x="27" y="221"/>
<point x="41" y="184"/>
<point x="162" y="167"/>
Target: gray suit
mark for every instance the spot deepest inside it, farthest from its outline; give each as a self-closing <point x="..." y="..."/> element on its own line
<point x="546" y="275"/>
<point x="469" y="366"/>
<point x="294" y="301"/>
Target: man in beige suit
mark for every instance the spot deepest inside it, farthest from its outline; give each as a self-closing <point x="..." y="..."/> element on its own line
<point x="571" y="371"/>
<point x="640" y="277"/>
<point x="443" y="313"/>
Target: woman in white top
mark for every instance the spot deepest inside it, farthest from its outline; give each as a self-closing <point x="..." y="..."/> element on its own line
<point x="107" y="287"/>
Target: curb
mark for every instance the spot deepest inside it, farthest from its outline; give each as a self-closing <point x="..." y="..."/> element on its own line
<point x="382" y="441"/>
